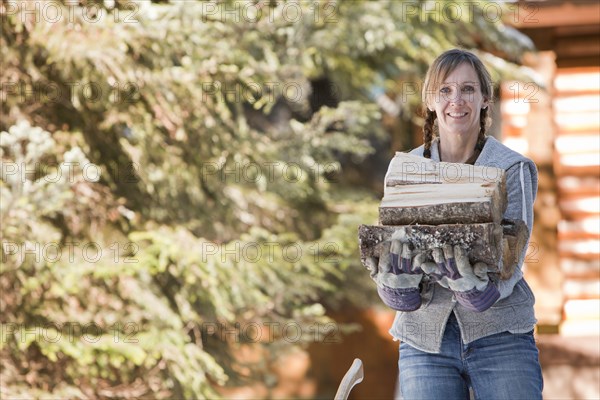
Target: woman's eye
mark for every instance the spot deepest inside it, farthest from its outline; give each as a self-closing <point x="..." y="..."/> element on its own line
<point x="468" y="89"/>
<point x="445" y="90"/>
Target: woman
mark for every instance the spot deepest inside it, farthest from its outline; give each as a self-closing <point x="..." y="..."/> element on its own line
<point x="459" y="329"/>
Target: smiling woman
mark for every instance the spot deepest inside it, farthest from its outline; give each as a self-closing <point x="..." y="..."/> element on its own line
<point x="457" y="105"/>
<point x="457" y="91"/>
<point x="469" y="329"/>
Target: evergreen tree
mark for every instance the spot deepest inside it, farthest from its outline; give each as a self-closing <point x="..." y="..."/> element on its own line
<point x="173" y="184"/>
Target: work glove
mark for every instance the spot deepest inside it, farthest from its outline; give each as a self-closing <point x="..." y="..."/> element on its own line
<point x="397" y="274"/>
<point x="471" y="285"/>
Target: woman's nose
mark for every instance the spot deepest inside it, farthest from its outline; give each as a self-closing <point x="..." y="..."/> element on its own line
<point x="456" y="97"/>
<point x="458" y="101"/>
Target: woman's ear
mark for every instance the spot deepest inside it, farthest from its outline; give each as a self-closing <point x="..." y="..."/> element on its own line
<point x="485" y="104"/>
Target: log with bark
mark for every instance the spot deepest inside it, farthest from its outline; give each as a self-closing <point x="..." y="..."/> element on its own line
<point x="515" y="234"/>
<point x="490" y="243"/>
<point x="482" y="240"/>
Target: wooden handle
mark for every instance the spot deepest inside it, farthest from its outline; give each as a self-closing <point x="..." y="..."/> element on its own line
<point x="353" y="376"/>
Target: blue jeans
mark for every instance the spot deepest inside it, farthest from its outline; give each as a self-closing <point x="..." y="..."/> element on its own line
<point x="501" y="366"/>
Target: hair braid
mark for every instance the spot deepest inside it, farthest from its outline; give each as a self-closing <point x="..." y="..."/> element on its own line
<point x="482" y="127"/>
<point x="430" y="117"/>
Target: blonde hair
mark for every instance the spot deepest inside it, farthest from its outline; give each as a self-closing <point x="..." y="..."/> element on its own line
<point x="438" y="72"/>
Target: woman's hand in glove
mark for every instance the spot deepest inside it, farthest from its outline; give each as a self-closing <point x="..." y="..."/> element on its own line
<point x="398" y="274"/>
<point x="471" y="285"/>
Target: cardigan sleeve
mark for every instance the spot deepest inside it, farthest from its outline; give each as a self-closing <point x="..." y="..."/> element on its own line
<point x="520" y="194"/>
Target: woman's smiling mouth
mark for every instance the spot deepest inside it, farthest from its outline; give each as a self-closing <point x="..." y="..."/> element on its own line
<point x="457" y="115"/>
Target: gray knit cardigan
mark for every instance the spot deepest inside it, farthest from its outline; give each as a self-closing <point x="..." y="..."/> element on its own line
<point x="513" y="312"/>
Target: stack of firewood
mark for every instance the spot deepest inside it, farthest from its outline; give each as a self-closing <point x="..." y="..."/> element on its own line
<point x="439" y="203"/>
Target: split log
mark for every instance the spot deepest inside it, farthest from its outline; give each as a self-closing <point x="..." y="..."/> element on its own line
<point x="482" y="240"/>
<point x="407" y="169"/>
<point x="421" y="191"/>
<point x="411" y="208"/>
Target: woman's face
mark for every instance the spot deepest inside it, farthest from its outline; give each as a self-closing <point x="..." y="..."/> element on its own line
<point x="458" y="102"/>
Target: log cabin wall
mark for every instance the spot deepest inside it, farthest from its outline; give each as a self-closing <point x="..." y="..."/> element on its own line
<point x="577" y="115"/>
<point x="527" y="127"/>
<point x="559" y="129"/>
